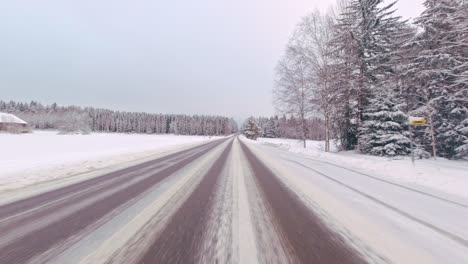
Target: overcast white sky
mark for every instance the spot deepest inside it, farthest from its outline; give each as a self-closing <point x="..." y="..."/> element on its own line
<point x="180" y="56"/>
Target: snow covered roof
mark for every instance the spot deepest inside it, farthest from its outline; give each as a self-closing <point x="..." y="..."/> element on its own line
<point x="9" y="118"/>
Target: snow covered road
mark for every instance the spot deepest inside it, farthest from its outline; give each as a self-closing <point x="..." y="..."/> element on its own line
<point x="230" y="201"/>
<point x="386" y="221"/>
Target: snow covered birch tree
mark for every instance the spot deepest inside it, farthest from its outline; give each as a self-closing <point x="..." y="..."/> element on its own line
<point x="293" y="90"/>
<point x="314" y="33"/>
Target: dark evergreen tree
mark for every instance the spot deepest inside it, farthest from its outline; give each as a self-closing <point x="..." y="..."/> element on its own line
<point x="438" y="71"/>
<point x="384" y="131"/>
<point x="345" y="69"/>
<point x="271" y="129"/>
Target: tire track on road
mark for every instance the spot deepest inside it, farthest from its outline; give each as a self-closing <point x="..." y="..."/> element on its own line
<point x="181" y="239"/>
<point x="308" y="238"/>
<point x="388" y="182"/>
<point x="20" y="206"/>
<point x="451" y="236"/>
<point x="93" y="189"/>
<point x="25" y="247"/>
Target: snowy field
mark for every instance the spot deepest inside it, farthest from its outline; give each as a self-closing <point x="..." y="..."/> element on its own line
<point x="43" y="155"/>
<point x="442" y="175"/>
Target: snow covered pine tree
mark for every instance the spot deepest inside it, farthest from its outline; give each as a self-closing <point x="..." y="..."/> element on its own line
<point x="381" y="129"/>
<point x="440" y="70"/>
<point x="250" y="129"/>
<point x="270" y="129"/>
<point x="383" y="132"/>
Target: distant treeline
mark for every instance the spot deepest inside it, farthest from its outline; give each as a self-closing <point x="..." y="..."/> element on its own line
<point x="69" y="119"/>
<point x="290" y="127"/>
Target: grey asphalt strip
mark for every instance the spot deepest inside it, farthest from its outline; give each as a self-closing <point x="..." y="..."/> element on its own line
<point x="181" y="239"/>
<point x="307" y="237"/>
<point x="23" y="248"/>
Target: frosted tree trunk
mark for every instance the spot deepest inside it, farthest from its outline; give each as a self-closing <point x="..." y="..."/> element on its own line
<point x="303" y="130"/>
<point x="327" y="133"/>
<point x="434" y="150"/>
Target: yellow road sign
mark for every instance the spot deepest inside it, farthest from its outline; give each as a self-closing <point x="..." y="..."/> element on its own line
<point x="417" y="121"/>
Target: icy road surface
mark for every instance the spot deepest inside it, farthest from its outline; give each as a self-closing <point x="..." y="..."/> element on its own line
<point x="230" y="201"/>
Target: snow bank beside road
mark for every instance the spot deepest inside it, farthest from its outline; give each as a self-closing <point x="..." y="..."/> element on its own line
<point x="443" y="175"/>
<point x="44" y="155"/>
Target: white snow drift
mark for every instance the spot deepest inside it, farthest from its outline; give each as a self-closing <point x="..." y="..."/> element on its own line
<point x="443" y="175"/>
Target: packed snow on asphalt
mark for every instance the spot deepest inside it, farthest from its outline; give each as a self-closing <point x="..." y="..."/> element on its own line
<point x="389" y="209"/>
<point x="440" y="175"/>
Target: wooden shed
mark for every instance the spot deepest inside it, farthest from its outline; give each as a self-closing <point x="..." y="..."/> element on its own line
<point x="12" y="124"/>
